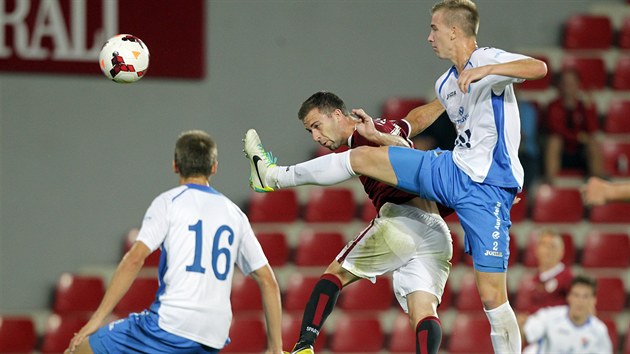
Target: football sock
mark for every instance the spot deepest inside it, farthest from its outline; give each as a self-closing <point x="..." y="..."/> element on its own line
<point x="504" y="332"/>
<point x="319" y="306"/>
<point x="324" y="171"/>
<point x="428" y="335"/>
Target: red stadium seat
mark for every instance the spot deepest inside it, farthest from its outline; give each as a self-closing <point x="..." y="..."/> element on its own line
<point x="458" y="249"/>
<point x="357" y="335"/>
<point x="275" y="246"/>
<point x="611" y="294"/>
<point x="616" y="156"/>
<point x="291" y="325"/>
<point x="368" y="211"/>
<point x="139" y="297"/>
<point x="245" y="295"/>
<point x="529" y="258"/>
<point x="540" y="84"/>
<point x="17" y="334"/>
<point x="468" y="299"/>
<point x="153" y="260"/>
<point x="606" y="250"/>
<point x="470" y="334"/>
<point x="398" y="107"/>
<point x="279" y="206"/>
<point x="403" y="338"/>
<point x="592" y="71"/>
<point x="363" y="295"/>
<point x="617" y="120"/>
<point x="318" y="248"/>
<point x="560" y="205"/>
<point x="298" y="291"/>
<point x="59" y="330"/>
<point x="330" y="205"/>
<point x="621" y="75"/>
<point x="588" y="32"/>
<point x="78" y="293"/>
<point x="610" y="213"/>
<point x="447" y="298"/>
<point x="623" y="41"/>
<point x="247" y="335"/>
<point x="518" y="212"/>
<point x="513" y="253"/>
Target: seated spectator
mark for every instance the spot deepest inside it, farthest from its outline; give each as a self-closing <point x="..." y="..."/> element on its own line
<point x="529" y="153"/>
<point x="571" y="328"/>
<point x="572" y="127"/>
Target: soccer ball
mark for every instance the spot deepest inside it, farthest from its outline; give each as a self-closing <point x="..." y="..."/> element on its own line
<point x="124" y="58"/>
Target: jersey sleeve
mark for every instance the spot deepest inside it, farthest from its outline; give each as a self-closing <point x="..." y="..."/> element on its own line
<point x="605" y="344"/>
<point x="155" y="224"/>
<point x="493" y="56"/>
<point x="536" y="326"/>
<point x="393" y="127"/>
<point x="250" y="256"/>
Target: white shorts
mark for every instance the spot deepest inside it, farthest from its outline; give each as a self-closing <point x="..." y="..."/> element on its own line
<point x="413" y="244"/>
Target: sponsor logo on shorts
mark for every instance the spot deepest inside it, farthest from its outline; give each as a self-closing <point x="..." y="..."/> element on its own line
<point x="493" y="253"/>
<point x="497" y="225"/>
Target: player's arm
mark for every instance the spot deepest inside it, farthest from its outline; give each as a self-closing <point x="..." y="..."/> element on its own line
<point x="528" y="69"/>
<point x="420" y="118"/>
<point x="599" y="192"/>
<point x="124" y="276"/>
<point x="366" y="128"/>
<point x="270" y="292"/>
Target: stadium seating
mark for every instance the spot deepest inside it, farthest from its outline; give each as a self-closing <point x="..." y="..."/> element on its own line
<point x="139" y="297"/>
<point x="365" y="296"/>
<point x="447" y="298"/>
<point x="557" y="205"/>
<point x="606" y="250"/>
<point x="275" y="246"/>
<point x="623" y="41"/>
<point x="298" y="291"/>
<point x="78" y="293"/>
<point x="291" y="324"/>
<point x="530" y="260"/>
<point x="280" y="206"/>
<point x="59" y="331"/>
<point x="584" y="31"/>
<point x="245" y="295"/>
<point x="470" y="334"/>
<point x="616" y="155"/>
<point x="318" y="248"/>
<point x="540" y="84"/>
<point x="330" y="205"/>
<point x="592" y="70"/>
<point x="610" y="213"/>
<point x="398" y="107"/>
<point x="247" y="334"/>
<point x="153" y="260"/>
<point x="621" y="75"/>
<point x="403" y="338"/>
<point x="468" y="299"/>
<point x="518" y="211"/>
<point x="17" y="334"/>
<point x="611" y="295"/>
<point x="617" y="120"/>
<point x="524" y="287"/>
<point x="357" y="334"/>
<point x="458" y="249"/>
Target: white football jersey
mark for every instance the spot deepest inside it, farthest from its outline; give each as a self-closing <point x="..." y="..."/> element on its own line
<point x="202" y="235"/>
<point x="487" y="121"/>
<point x="553" y="332"/>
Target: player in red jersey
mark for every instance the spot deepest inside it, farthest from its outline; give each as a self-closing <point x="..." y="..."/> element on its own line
<point x="408" y="237"/>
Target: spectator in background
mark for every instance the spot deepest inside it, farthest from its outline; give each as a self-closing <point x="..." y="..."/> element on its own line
<point x="572" y="124"/>
<point x="571" y="328"/>
<point x="529" y="152"/>
<point x="599" y="192"/>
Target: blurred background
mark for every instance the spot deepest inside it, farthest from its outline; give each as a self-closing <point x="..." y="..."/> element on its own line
<point x="81" y="157"/>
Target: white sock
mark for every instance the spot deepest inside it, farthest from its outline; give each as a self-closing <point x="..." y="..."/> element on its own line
<point x="505" y="335"/>
<point x="323" y="171"/>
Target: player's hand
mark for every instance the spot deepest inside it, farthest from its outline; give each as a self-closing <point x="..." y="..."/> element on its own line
<point x="89" y="328"/>
<point x="594" y="191"/>
<point x="469" y="76"/>
<point x="365" y="124"/>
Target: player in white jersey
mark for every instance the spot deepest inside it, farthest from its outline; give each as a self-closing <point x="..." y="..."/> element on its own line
<point x="203" y="236"/>
<point x="481" y="177"/>
<point x="572" y="328"/>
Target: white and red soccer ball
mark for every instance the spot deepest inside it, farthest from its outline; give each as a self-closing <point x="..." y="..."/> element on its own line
<point x="124" y="58"/>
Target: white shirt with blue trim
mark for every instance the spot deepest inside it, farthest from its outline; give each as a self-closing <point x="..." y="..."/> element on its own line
<point x="202" y="235"/>
<point x="553" y="332"/>
<point x="487" y="121"/>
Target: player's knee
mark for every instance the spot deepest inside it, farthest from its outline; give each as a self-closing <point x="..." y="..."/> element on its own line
<point x="364" y="157"/>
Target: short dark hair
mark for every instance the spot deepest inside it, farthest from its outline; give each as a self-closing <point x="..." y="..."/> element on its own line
<point x="584" y="280"/>
<point x="462" y="12"/>
<point x="325" y="101"/>
<point x="195" y="153"/>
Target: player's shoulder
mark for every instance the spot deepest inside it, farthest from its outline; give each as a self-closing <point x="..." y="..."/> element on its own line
<point x="598" y="324"/>
<point x="559" y="311"/>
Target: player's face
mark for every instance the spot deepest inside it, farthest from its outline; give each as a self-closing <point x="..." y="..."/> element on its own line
<point x="440" y="35"/>
<point x="324" y="128"/>
<point x="581" y="301"/>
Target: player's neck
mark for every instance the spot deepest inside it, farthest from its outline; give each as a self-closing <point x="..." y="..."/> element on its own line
<point x="578" y="320"/>
<point x="463" y="54"/>
<point x="200" y="180"/>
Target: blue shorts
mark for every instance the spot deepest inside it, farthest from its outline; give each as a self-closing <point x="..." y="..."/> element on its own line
<point x="483" y="209"/>
<point x="140" y="333"/>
